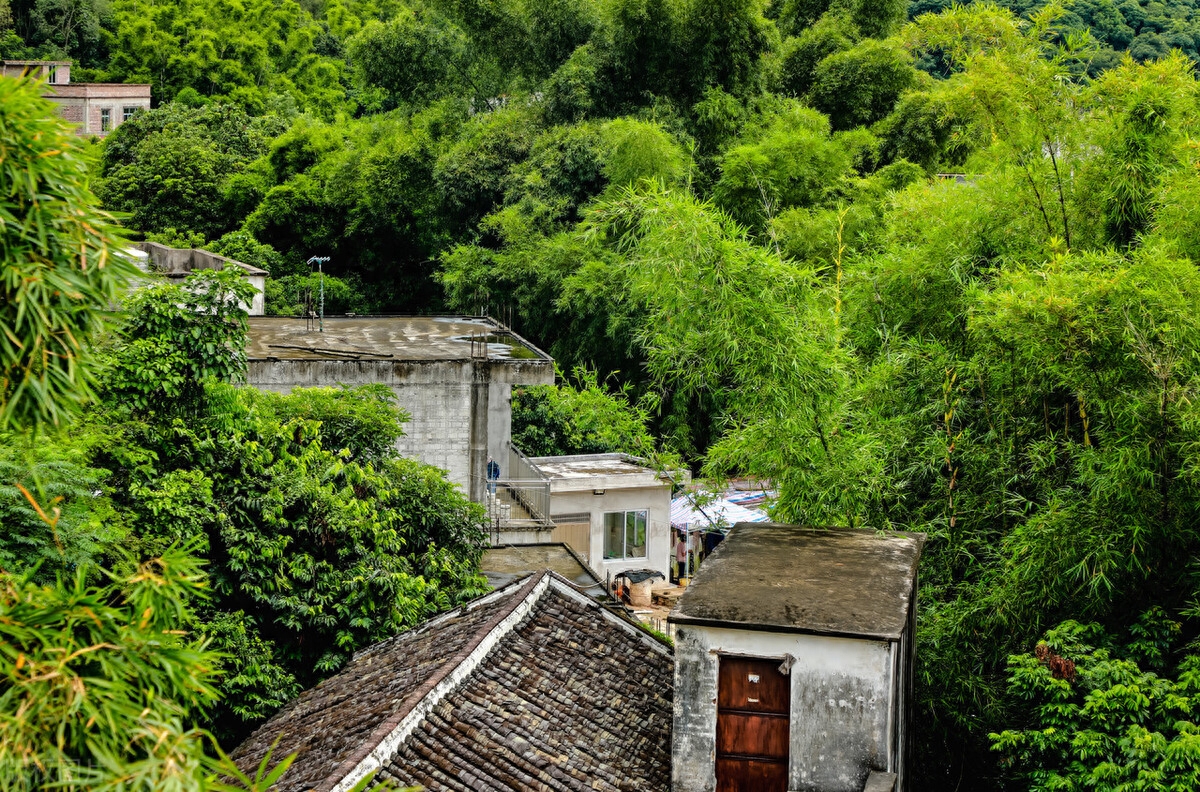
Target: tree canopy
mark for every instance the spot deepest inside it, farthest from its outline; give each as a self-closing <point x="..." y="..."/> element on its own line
<point x="932" y="271"/>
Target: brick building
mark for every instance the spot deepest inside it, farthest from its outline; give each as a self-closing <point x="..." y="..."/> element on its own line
<point x="94" y="108"/>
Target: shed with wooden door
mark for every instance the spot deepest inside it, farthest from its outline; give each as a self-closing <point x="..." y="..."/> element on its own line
<point x="793" y="658"/>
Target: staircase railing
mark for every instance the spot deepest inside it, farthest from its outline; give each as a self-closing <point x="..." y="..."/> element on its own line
<point x="528" y="485"/>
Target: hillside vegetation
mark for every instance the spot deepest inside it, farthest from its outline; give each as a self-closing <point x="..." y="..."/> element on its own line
<point x="739" y="224"/>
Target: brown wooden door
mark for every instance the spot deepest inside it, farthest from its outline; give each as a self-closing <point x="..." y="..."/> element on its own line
<point x="753" y="705"/>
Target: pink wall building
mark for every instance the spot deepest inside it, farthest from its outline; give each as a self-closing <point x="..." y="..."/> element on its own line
<point x="95" y="108"/>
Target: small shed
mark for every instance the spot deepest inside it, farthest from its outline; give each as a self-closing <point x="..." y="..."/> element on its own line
<point x="793" y="651"/>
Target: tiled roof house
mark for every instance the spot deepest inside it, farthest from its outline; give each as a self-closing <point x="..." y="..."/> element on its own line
<point x="791" y="672"/>
<point x="534" y="687"/>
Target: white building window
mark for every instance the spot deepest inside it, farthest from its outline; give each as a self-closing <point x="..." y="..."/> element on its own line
<point x="52" y="76"/>
<point x="127" y="113"/>
<point x="625" y="534"/>
<point x="105" y="119"/>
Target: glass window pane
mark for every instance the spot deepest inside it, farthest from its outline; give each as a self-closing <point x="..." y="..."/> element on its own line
<point x="635" y="534"/>
<point x="614" y="524"/>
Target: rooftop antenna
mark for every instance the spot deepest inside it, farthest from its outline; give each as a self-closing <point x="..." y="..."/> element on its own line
<point x="321" y="261"/>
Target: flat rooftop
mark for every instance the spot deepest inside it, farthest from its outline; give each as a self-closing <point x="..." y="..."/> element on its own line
<point x="578" y="466"/>
<point x="504" y="565"/>
<point x="790" y="578"/>
<point x="384" y="338"/>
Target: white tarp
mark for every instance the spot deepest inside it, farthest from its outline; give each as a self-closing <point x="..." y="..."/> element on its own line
<point x="720" y="512"/>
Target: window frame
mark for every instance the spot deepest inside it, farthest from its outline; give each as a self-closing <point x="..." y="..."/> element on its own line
<point x="626" y="521"/>
<point x="105" y="119"/>
<point x="127" y="113"/>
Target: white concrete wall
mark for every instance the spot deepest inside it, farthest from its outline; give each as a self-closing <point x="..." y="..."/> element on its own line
<point x="258" y="302"/>
<point x="655" y="500"/>
<point x="842" y="710"/>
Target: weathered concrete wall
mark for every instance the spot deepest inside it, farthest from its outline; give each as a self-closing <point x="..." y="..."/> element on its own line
<point x="655" y="500"/>
<point x="181" y="262"/>
<point x="499" y="424"/>
<point x="842" y="707"/>
<point x="437" y="394"/>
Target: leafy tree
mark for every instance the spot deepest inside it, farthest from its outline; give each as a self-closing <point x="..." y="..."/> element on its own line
<point x="413" y="57"/>
<point x="320" y="540"/>
<point x="726" y="40"/>
<point x="925" y="127"/>
<point x="100" y="684"/>
<point x="685" y="283"/>
<point x="640" y="50"/>
<point x="59" y="269"/>
<point x="861" y="85"/>
<point x="295" y="295"/>
<point x="579" y="416"/>
<point x="180" y="336"/>
<point x="260" y="55"/>
<point x="84" y="525"/>
<point x="792" y="162"/>
<point x="368" y="195"/>
<point x="801" y="54"/>
<point x="241" y="246"/>
<point x="170" y="168"/>
<point x="1104" y="716"/>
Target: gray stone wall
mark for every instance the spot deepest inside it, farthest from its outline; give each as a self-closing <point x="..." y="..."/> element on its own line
<point x="441" y="396"/>
<point x="437" y="394"/>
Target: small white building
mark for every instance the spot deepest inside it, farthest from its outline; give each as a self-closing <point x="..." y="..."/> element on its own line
<point x="793" y="658"/>
<point x="614" y="510"/>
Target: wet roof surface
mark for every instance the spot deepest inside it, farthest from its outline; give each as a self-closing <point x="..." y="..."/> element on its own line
<point x="382" y="337"/>
<point x="815" y="580"/>
<point x="585" y="465"/>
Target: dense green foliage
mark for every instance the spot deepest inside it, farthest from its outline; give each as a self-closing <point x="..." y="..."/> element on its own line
<point x="101" y="682"/>
<point x="58" y="270"/>
<point x="318" y="539"/>
<point x="730" y="213"/>
<point x="1101" y="716"/>
<point x="579" y="416"/>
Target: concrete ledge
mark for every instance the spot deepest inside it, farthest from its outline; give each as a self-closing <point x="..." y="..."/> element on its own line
<point x="880" y="782"/>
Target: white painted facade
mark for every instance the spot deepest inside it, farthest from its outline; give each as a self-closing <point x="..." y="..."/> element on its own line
<point x="600" y="484"/>
<point x="845" y="703"/>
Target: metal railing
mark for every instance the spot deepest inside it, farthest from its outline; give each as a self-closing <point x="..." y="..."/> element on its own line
<point x="527" y="485"/>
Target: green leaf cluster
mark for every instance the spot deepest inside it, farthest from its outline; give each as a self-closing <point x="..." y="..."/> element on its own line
<point x="1107" y="719"/>
<point x="60" y="265"/>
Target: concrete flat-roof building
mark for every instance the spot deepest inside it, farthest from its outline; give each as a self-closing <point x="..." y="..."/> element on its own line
<point x="452" y="374"/>
<point x="94" y="108"/>
<point x="793" y="658"/>
<point x="614" y="509"/>
<point x="177" y="263"/>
